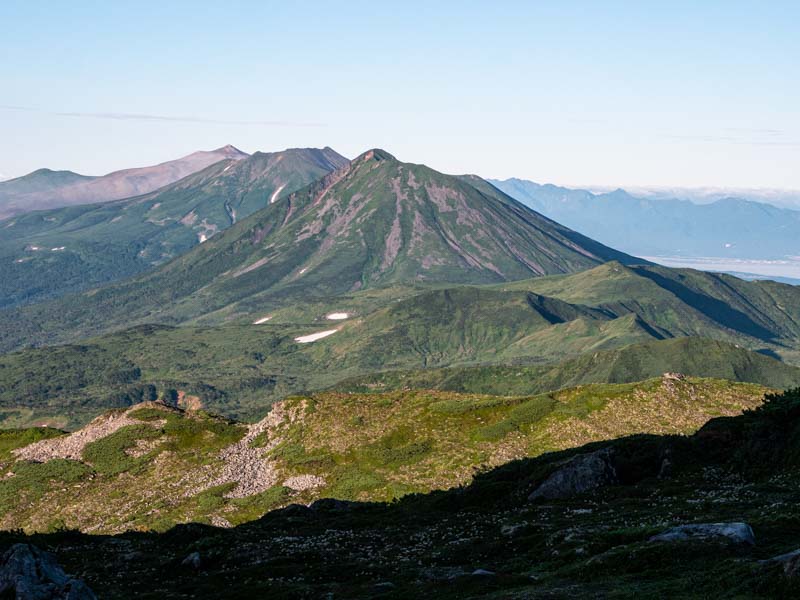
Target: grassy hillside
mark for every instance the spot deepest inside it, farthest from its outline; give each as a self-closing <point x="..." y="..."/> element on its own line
<point x="487" y="540"/>
<point x="151" y="466"/>
<point x="503" y="340"/>
<point x="697" y="357"/>
<point x="239" y="370"/>
<point x="50" y="253"/>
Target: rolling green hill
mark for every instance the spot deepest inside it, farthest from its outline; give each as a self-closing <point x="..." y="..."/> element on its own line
<point x="50" y="253"/>
<point x="695" y="357"/>
<point x="509" y="338"/>
<point x="240" y="370"/>
<point x="152" y="466"/>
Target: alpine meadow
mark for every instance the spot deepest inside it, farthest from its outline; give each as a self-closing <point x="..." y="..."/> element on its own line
<point x="422" y="324"/>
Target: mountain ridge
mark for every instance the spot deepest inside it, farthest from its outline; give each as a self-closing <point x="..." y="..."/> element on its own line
<point x="49" y="253"/>
<point x="18" y="195"/>
<point x="374" y="222"/>
<point x="727" y="227"/>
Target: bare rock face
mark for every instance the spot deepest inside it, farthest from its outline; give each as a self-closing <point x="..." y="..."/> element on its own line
<point x="579" y="474"/>
<point x="738" y="533"/>
<point x="28" y="573"/>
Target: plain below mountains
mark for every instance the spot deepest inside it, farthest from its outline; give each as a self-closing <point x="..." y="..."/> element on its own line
<point x="728" y="227"/>
<point x="44" y="188"/>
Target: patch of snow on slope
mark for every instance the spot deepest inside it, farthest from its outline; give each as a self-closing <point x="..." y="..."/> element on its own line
<point x="337" y="316"/>
<point x="261" y="320"/>
<point x="305" y="339"/>
<point x="275" y="194"/>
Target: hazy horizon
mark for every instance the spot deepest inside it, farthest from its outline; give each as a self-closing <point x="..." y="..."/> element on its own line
<point x="615" y="95"/>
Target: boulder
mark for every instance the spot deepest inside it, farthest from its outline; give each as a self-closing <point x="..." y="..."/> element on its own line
<point x="28" y="573"/>
<point x="579" y="474"/>
<point x="790" y="562"/>
<point x="193" y="561"/>
<point x="738" y="533"/>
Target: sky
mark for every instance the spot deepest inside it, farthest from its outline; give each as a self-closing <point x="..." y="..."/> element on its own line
<point x="576" y="93"/>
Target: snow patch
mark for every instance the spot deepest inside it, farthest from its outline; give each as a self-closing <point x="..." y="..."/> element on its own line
<point x="337" y="316"/>
<point x="59" y="249"/>
<point x="305" y="339"/>
<point x="261" y="320"/>
<point x="275" y="194"/>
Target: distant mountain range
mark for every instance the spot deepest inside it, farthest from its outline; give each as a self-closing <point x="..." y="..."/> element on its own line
<point x="45" y="189"/>
<point x="728" y="227"/>
<point x="705" y="195"/>
<point x="49" y="253"/>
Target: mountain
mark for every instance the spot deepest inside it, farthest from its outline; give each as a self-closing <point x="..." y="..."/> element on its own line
<point x="373" y="223"/>
<point x="44" y="189"/>
<point x="152" y="466"/>
<point x="785" y="198"/>
<point x="40" y="181"/>
<point x="50" y="253"/>
<point x="648" y="516"/>
<point x="727" y="227"/>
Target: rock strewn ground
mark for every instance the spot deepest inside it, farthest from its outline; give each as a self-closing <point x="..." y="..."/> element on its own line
<point x="71" y="446"/>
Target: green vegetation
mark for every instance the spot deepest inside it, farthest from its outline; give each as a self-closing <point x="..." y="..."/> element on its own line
<point x="162" y="466"/>
<point x="240" y="370"/>
<point x="50" y="253"/>
<point x="589" y="545"/>
<point x="381" y="223"/>
<point x="695" y="357"/>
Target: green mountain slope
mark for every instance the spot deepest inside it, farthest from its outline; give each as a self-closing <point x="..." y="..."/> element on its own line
<point x="239" y="367"/>
<point x="153" y="467"/>
<point x="375" y="223"/>
<point x="696" y="357"/>
<point x="488" y="540"/>
<point x="240" y="370"/>
<point x="51" y="253"/>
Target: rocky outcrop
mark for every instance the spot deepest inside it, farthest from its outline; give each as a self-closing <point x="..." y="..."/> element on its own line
<point x="789" y="561"/>
<point x="28" y="573"/>
<point x="738" y="533"/>
<point x="579" y="474"/>
<point x="71" y="446"/>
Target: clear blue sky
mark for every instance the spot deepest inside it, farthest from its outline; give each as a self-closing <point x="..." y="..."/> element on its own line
<point x="669" y="93"/>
